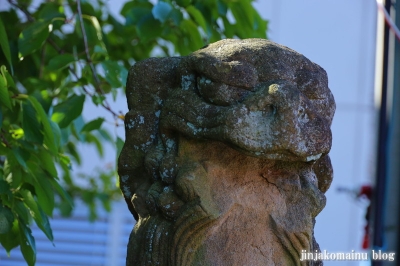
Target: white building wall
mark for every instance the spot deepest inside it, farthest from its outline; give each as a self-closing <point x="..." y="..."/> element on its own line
<point x="339" y="35"/>
<point x="78" y="242"/>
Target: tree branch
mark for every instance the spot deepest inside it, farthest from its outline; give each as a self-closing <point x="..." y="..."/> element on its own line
<point x="97" y="85"/>
<point x="4" y="140"/>
<point x="28" y="15"/>
<point x="104" y="103"/>
<point x="85" y="41"/>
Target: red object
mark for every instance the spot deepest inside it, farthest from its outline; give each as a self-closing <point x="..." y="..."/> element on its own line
<point x="367" y="192"/>
<point x="365" y="243"/>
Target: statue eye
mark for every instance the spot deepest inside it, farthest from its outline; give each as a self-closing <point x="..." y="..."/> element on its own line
<point x="220" y="93"/>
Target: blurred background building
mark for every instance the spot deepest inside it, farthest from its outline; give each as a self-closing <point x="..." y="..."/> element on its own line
<point x="340" y="36"/>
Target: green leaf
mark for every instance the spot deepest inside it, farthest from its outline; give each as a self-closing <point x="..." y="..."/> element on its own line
<point x="65" y="209"/>
<point x="6" y="219"/>
<point x="71" y="149"/>
<point x="4" y="187"/>
<point x="45" y="226"/>
<point x="182" y="45"/>
<point x="48" y="132"/>
<point x="222" y="8"/>
<point x="105" y="135"/>
<point x="27" y="242"/>
<point x="92" y="139"/>
<point x="99" y="53"/>
<point x="98" y="99"/>
<point x="30" y="124"/>
<point x="65" y="134"/>
<point x="30" y="202"/>
<point x="36" y="211"/>
<point x="190" y="28"/>
<point x="229" y="28"/>
<point x="56" y="132"/>
<point x="261" y="26"/>
<point x="197" y="16"/>
<point x="10" y="239"/>
<point x="61" y="191"/>
<point x="92" y="35"/>
<point x="134" y="12"/>
<point x="119" y="145"/>
<point x="183" y="3"/>
<point x="68" y="110"/>
<point x="22" y="211"/>
<point x="4" y="45"/>
<point x="7" y="166"/>
<point x="176" y="16"/>
<point x="148" y="28"/>
<point x="249" y="23"/>
<point x="161" y="11"/>
<point x="93" y="125"/>
<point x="97" y="27"/>
<point x="1" y="118"/>
<point x="15" y="177"/>
<point x="47" y="162"/>
<point x="33" y="37"/>
<point x="65" y="160"/>
<point x="50" y="11"/>
<point x="105" y="200"/>
<point x="45" y="194"/>
<point x="60" y="61"/>
<point x="100" y="50"/>
<point x="4" y="95"/>
<point x="21" y="156"/>
<point x="114" y="73"/>
<point x="10" y="81"/>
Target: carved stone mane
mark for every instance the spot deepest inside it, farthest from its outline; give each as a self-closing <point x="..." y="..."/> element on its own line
<point x="225" y="160"/>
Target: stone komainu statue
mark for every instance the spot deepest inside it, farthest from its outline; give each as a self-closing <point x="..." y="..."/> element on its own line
<point x="225" y="160"/>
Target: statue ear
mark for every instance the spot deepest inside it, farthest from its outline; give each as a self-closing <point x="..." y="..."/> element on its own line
<point x="149" y="82"/>
<point x="324" y="172"/>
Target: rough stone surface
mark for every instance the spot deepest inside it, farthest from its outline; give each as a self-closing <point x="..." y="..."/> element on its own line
<point x="225" y="160"/>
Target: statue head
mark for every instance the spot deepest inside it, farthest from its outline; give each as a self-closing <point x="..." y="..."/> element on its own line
<point x="237" y="118"/>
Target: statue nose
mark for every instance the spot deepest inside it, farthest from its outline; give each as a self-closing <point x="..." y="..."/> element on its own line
<point x="289" y="110"/>
<point x="286" y="99"/>
<point x="280" y="98"/>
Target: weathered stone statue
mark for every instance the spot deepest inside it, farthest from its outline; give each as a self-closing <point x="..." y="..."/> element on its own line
<point x="225" y="160"/>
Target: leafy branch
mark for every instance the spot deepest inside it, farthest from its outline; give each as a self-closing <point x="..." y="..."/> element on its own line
<point x="4" y="140"/>
<point x="85" y="41"/>
<point x="57" y="60"/>
<point x="104" y="103"/>
<point x="24" y="10"/>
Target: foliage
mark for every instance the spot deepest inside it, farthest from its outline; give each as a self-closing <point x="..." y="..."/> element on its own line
<point x="57" y="56"/>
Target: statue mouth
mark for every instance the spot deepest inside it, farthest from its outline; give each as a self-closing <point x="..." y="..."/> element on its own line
<point x="313" y="158"/>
